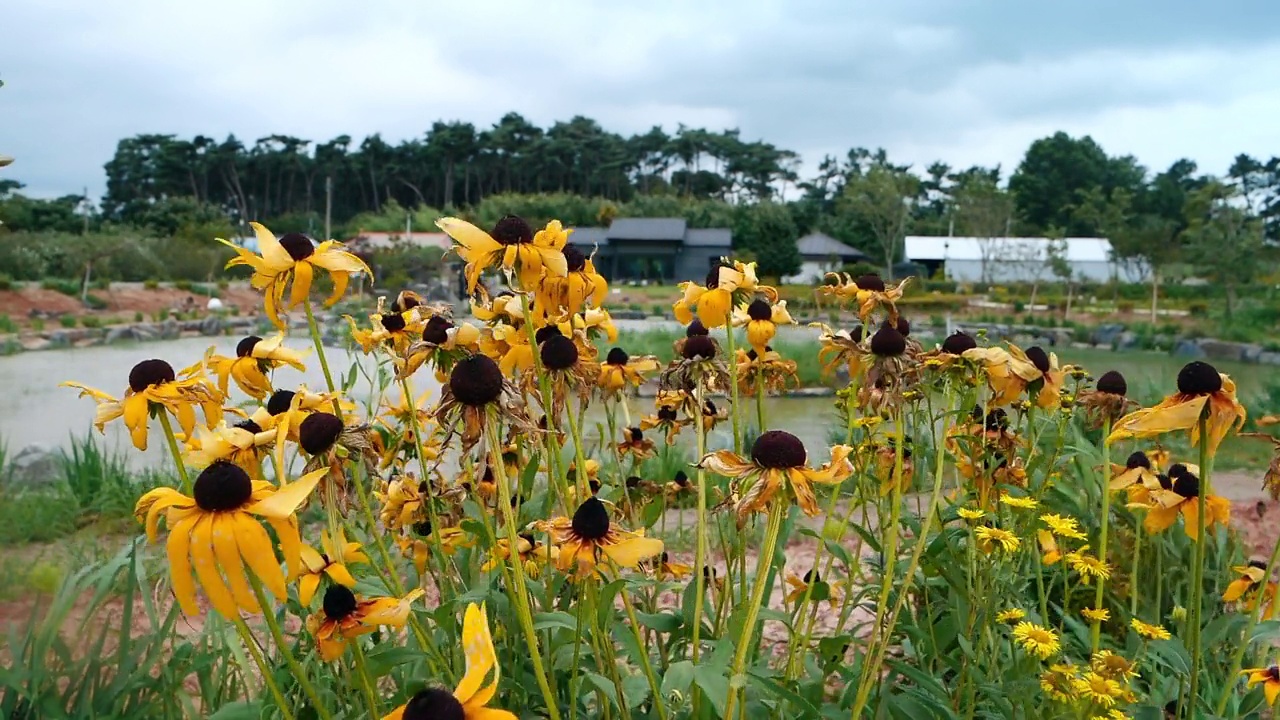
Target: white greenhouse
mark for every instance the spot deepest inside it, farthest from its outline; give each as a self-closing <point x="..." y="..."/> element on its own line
<point x="1016" y="259"/>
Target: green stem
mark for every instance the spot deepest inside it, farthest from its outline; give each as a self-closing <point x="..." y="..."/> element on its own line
<point x="1197" y="570"/>
<point x="416" y="428"/>
<point x="299" y="673"/>
<point x="1237" y="658"/>
<point x="314" y="328"/>
<point x="1141" y="530"/>
<point x="370" y="698"/>
<point x="654" y="688"/>
<point x="733" y="387"/>
<point x="759" y="403"/>
<point x="251" y="644"/>
<point x="177" y="454"/>
<point x="777" y="513"/>
<point x="700" y="551"/>
<point x="520" y="594"/>
<point x="1095" y="634"/>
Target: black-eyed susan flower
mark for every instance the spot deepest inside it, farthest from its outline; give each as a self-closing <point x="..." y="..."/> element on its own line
<point x="403" y="501"/>
<point x="475" y="385"/>
<point x="1183" y="497"/>
<point x="1270" y="478"/>
<point x="567" y="368"/>
<point x="635" y="444"/>
<point x="154" y="387"/>
<point x="396" y="425"/>
<point x="1106" y="402"/>
<point x="345" y="616"/>
<point x="886" y="463"/>
<point x="285" y="409"/>
<point x="1010" y="616"/>
<point x="441" y="343"/>
<point x="1059" y="682"/>
<point x="589" y="539"/>
<point x="244" y="444"/>
<point x="1009" y="372"/>
<point x="217" y="533"/>
<point x="768" y="372"/>
<point x="726" y="284"/>
<point x="1202" y="392"/>
<point x="699" y="362"/>
<point x="1148" y="631"/>
<point x="594" y="324"/>
<point x="798" y="586"/>
<point x="390" y="329"/>
<point x="992" y="538"/>
<point x="336" y="554"/>
<point x="509" y="346"/>
<point x="1137" y="477"/>
<point x="668" y="415"/>
<point x="512" y="246"/>
<point x="422" y="543"/>
<point x="292" y="260"/>
<point x="678" y="486"/>
<point x="255" y="358"/>
<point x="620" y="370"/>
<point x="580" y="287"/>
<point x="1036" y="640"/>
<point x="470" y="700"/>
<point x="761" y="319"/>
<point x="1269" y="677"/>
<point x="1046" y="389"/>
<point x="533" y="555"/>
<point x="1098" y="689"/>
<point x="669" y="569"/>
<point x="778" y="463"/>
<point x="868" y="292"/>
<point x="841" y="347"/>
<point x="1251" y="587"/>
<point x="328" y="443"/>
<point x="711" y="415"/>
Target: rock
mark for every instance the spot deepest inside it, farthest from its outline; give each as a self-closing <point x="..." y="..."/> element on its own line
<point x="211" y="325"/>
<point x="811" y="392"/>
<point x="59" y="339"/>
<point x="1126" y="340"/>
<point x="1188" y="349"/>
<point x="1267" y="357"/>
<point x="1222" y="350"/>
<point x="1249" y="352"/>
<point x="1106" y="334"/>
<point x="121" y="333"/>
<point x="31" y="344"/>
<point x="88" y="342"/>
<point x="170" y="329"/>
<point x="33" y="466"/>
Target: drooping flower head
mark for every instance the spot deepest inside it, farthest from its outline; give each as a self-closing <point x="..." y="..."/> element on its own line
<point x="590" y="539"/>
<point x="778" y="462"/>
<point x="154" y="387"/>
<point x="620" y="370"/>
<point x="726" y="285"/>
<point x="512" y="246"/>
<point x="255" y="358"/>
<point x="345" y="616"/>
<point x="761" y="319"/>
<point x="1183" y="497"/>
<point x="1203" y="392"/>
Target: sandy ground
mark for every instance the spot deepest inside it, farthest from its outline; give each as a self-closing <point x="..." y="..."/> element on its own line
<point x="123" y="300"/>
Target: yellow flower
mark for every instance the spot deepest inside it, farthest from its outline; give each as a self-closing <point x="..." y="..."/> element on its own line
<point x="620" y="370"/>
<point x="1039" y="641"/>
<point x="593" y="324"/>
<point x="345" y="616"/>
<point x="869" y="292"/>
<point x="1270" y="679"/>
<point x="1178" y="613"/>
<point x="392" y="330"/>
<point x="841" y="346"/>
<point x="970" y="513"/>
<point x="333" y="563"/>
<point x="1150" y="632"/>
<point x="1202" y="391"/>
<point x="532" y="554"/>
<point x="1058" y="682"/>
<point x="217" y="533"/>
<point x="778" y="460"/>
<point x="1011" y="615"/>
<point x="668" y="568"/>
<point x="292" y="260"/>
<point x="761" y="320"/>
<point x="580" y="287"/>
<point x="1098" y="689"/>
<point x="244" y="444"/>
<point x="635" y="444"/>
<point x="798" y="586"/>
<point x="1062" y="526"/>
<point x="255" y="357"/>
<point x="768" y="372"/>
<point x="1183" y="497"/>
<point x="668" y="404"/>
<point x="1009" y="372"/>
<point x="476" y="385"/>
<point x="1247" y="585"/>
<point x="1088" y="566"/>
<point x="1050" y="554"/>
<point x="512" y="246"/>
<point x="1024" y="503"/>
<point x="153" y="385"/>
<point x="714" y="302"/>
<point x="990" y="537"/>
<point x="588" y="537"/>
<point x="1098" y="615"/>
<point x="470" y="699"/>
<point x="1116" y="667"/>
<point x="398" y="420"/>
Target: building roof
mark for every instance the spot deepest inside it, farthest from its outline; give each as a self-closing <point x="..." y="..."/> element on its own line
<point x="919" y="247"/>
<point x="821" y="245"/>
<point x="367" y="240"/>
<point x="586" y="237"/>
<point x="670" y="229"/>
<point x="708" y="237"/>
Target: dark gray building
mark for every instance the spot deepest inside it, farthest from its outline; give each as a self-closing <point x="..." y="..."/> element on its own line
<point x="664" y="250"/>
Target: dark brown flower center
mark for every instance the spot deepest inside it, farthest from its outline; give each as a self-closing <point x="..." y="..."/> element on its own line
<point x="812" y="576"/>
<point x="957" y="342"/>
<point x="633" y="482"/>
<point x="1273" y="673"/>
<point x="857" y="332"/>
<point x="1039" y="358"/>
<point x="1255" y="563"/>
<point x="1138" y="459"/>
<point x="423" y="528"/>
<point x="699" y="347"/>
<point x="437" y="330"/>
<point x="903" y="326"/>
<point x="392" y="321"/>
<point x="637" y="435"/>
<point x="668" y="414"/>
<point x="1166" y="482"/>
<point x="870" y="281"/>
<point x="1113" y="382"/>
<point x="617" y="356"/>
<point x="1199" y="378"/>
<point x="339" y="602"/>
<point x="280" y="401"/>
<point x="512" y="230"/>
<point x="888" y="342"/>
<point x="244" y="348"/>
<point x="574" y="258"/>
<point x="406" y="300"/>
<point x="249" y="425"/>
<point x="1177" y="470"/>
<point x="545" y="333"/>
<point x="713" y="275"/>
<point x="318" y="432"/>
<point x="778" y="449"/>
<point x="298" y="246"/>
<point x="681" y="478"/>
<point x="591" y="520"/>
<point x="759" y="310"/>
<point x="558" y="353"/>
<point x="696" y="328"/>
<point x="476" y="380"/>
<point x="221" y="487"/>
<point x="150" y="372"/>
<point x="1187" y="485"/>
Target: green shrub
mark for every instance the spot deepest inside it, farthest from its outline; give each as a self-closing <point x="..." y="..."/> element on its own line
<point x="37" y="324"/>
<point x="1198" y="308"/>
<point x="91" y="321"/>
<point x="7" y="325"/>
<point x="138" y="316"/>
<point x="6" y="282"/>
<point x="95" y="302"/>
<point x="1125" y="306"/>
<point x="62" y="285"/>
<point x="67" y="321"/>
<point x="151" y="283"/>
<point x="101" y="283"/>
<point x="183" y="284"/>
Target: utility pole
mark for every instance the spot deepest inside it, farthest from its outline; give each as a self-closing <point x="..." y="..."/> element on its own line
<point x="328" y="205"/>
<point x="84" y="206"/>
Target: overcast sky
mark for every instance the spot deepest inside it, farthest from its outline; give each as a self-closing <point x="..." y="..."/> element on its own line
<point x="963" y="81"/>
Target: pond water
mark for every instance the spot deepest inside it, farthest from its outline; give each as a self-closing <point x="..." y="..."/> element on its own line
<point x="34" y="410"/>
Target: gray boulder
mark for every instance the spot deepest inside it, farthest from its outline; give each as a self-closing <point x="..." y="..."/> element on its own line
<point x="1222" y="350"/>
<point x="1106" y="334"/>
<point x="169" y="329"/>
<point x="1126" y="340"/>
<point x="1188" y="349"/>
<point x="34" y="466"/>
<point x="1268" y="357"/>
<point x="211" y="325"/>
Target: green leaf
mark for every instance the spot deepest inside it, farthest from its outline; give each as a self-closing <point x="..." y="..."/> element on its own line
<point x="678" y="678"/>
<point x="776" y="688"/>
<point x="556" y="619"/>
<point x="604" y="685"/>
<point x="662" y="622"/>
<point x="238" y="711"/>
<point x="714" y="682"/>
<point x="385" y="657"/>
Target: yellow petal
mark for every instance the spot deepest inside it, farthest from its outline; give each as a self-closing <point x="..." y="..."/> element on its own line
<point x="284" y="502"/>
<point x="255" y="548"/>
<point x="478" y="649"/>
<point x="202" y="558"/>
<point x="273" y="253"/>
<point x="728" y="463"/>
<point x="470" y="237"/>
<point x="303" y="272"/>
<point x="178" y="550"/>
<point x="1163" y="418"/>
<point x="339" y="574"/>
<point x="631" y="551"/>
<point x="227" y="553"/>
<point x="307" y="585"/>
